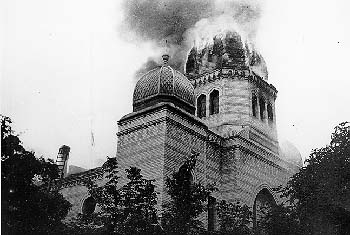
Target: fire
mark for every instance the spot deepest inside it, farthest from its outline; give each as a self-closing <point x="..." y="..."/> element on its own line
<point x="220" y="42"/>
<point x="205" y="30"/>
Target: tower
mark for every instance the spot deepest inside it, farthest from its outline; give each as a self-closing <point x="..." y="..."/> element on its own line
<point x="162" y="131"/>
<point x="223" y="110"/>
<point x="232" y="92"/>
<point x="62" y="160"/>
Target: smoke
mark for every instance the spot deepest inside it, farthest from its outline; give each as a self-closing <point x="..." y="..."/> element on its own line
<point x="178" y="25"/>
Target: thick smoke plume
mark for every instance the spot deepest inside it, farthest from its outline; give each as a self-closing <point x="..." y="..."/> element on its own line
<point x="179" y="25"/>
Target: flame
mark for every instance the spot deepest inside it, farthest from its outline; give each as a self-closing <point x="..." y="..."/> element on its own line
<point x="205" y="30"/>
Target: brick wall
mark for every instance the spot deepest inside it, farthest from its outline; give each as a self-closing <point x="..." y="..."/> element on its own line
<point x="237" y="152"/>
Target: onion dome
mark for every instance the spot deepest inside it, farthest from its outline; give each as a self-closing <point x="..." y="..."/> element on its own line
<point x="164" y="84"/>
<point x="229" y="50"/>
<point x="290" y="153"/>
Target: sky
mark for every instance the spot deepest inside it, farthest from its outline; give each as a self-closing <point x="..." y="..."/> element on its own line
<point x="67" y="71"/>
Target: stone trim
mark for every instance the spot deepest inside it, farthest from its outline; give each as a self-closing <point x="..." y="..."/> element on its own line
<point x="236" y="74"/>
<point x="261" y="158"/>
<point x="79" y="178"/>
<point x="160" y="107"/>
<point x="141" y="126"/>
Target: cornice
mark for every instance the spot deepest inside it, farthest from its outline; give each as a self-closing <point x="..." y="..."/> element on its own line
<point x="79" y="178"/>
<point x="244" y="73"/>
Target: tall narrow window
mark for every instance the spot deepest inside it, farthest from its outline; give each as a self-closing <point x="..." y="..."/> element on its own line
<point x="211" y="213"/>
<point x="262" y="108"/>
<point x="201" y="106"/>
<point x="254" y="105"/>
<point x="269" y="113"/>
<point x="214" y="102"/>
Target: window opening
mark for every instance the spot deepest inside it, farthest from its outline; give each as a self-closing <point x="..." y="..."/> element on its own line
<point x="214" y="102"/>
<point x="201" y="106"/>
<point x="254" y="105"/>
<point x="262" y="108"/>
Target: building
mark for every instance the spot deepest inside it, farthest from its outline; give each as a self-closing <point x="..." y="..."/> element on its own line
<point x="223" y="109"/>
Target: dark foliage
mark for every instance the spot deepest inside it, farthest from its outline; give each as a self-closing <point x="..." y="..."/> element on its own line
<point x="187" y="201"/>
<point x="234" y="218"/>
<point x="319" y="194"/>
<point x="130" y="209"/>
<point x="28" y="205"/>
<point x="282" y="219"/>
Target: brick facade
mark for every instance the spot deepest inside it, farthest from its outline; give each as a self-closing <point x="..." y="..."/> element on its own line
<point x="238" y="152"/>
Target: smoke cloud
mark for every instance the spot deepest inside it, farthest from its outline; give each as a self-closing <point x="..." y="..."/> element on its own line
<point x="178" y="25"/>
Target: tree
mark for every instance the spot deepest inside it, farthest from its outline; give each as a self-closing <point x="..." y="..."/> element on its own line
<point x="234" y="218"/>
<point x="28" y="205"/>
<point x="318" y="196"/>
<point x="282" y="219"/>
<point x="187" y="201"/>
<point x="129" y="209"/>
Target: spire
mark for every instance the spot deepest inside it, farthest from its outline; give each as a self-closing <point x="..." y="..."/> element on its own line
<point x="166" y="56"/>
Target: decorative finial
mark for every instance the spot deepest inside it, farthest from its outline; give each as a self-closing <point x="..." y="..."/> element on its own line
<point x="166" y="56"/>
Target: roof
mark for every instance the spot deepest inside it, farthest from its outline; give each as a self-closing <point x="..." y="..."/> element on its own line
<point x="164" y="84"/>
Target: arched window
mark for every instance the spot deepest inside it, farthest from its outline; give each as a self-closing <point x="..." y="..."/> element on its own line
<point x="269" y="113"/>
<point x="263" y="203"/>
<point x="214" y="102"/>
<point x="89" y="206"/>
<point x="187" y="176"/>
<point x="201" y="106"/>
<point x="254" y="105"/>
<point x="262" y="108"/>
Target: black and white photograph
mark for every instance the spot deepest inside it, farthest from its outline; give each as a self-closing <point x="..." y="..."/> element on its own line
<point x="179" y="117"/>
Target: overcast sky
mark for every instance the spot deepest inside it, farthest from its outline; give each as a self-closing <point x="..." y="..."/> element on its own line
<point x="66" y="71"/>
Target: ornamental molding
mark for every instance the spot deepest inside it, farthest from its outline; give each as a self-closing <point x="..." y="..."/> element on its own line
<point x="141" y="126"/>
<point x="235" y="74"/>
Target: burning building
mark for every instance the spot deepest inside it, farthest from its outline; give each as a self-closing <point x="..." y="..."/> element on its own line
<point x="212" y="97"/>
<point x="223" y="109"/>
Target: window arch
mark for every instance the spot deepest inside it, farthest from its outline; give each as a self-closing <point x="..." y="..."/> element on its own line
<point x="214" y="102"/>
<point x="269" y="113"/>
<point x="89" y="206"/>
<point x="262" y="108"/>
<point x="263" y="203"/>
<point x="187" y="175"/>
<point x="255" y="105"/>
<point x="201" y="106"/>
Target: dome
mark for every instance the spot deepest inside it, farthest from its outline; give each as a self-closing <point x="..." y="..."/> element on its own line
<point x="290" y="153"/>
<point x="164" y="84"/>
<point x="227" y="50"/>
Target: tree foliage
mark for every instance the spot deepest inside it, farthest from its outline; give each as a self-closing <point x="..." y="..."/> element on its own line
<point x="129" y="209"/>
<point x="28" y="205"/>
<point x="282" y="219"/>
<point x="187" y="201"/>
<point x="319" y="194"/>
<point x="234" y="218"/>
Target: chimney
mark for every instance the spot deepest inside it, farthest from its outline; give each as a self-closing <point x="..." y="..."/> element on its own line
<point x="62" y="159"/>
